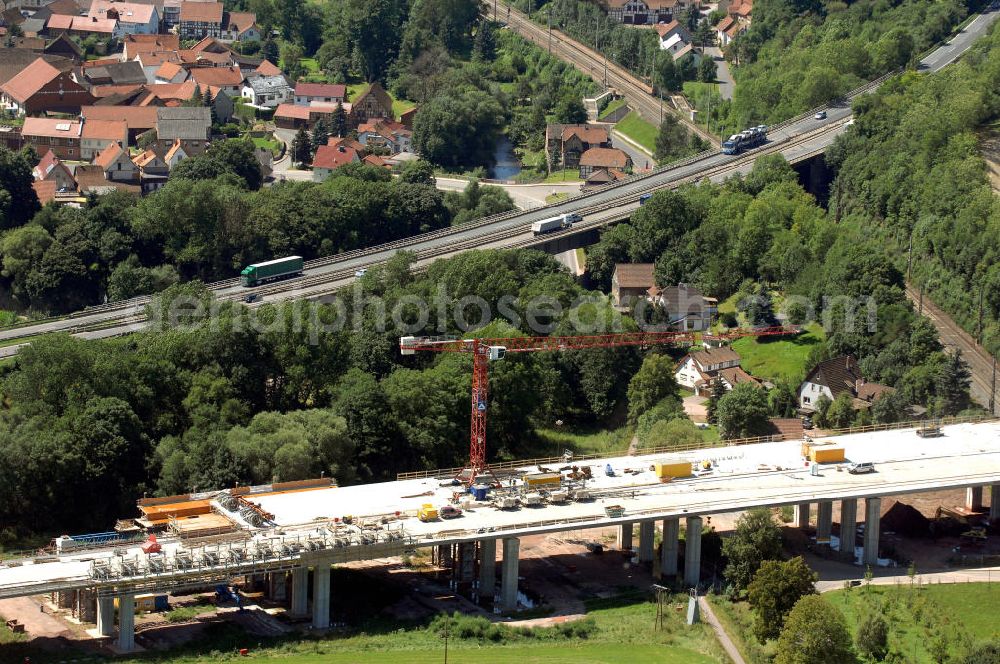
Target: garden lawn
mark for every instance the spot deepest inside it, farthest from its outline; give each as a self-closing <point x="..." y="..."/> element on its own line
<point x="565" y="175"/>
<point x="778" y="358"/>
<point x="639" y="131"/>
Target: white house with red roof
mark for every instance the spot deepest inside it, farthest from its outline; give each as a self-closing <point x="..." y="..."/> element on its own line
<point x="133" y="18"/>
<point x="114" y="160"/>
<point x="307" y="94"/>
<point x="50" y="169"/>
<point x="331" y="157"/>
<point x="239" y="26"/>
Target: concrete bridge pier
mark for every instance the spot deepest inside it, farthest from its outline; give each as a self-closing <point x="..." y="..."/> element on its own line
<point x="974" y="499"/>
<point x="625" y="537"/>
<point x="508" y="588"/>
<point x="692" y="552"/>
<point x="106" y="616"/>
<point x="647" y="533"/>
<point x="824" y="521"/>
<point x="800" y="515"/>
<point x="668" y="553"/>
<point x="995" y="502"/>
<point x="300" y="591"/>
<point x="126" y="622"/>
<point x="487" y="568"/>
<point x="277" y="586"/>
<point x="321" y="596"/>
<point x="848" y="525"/>
<point x="873" y="517"/>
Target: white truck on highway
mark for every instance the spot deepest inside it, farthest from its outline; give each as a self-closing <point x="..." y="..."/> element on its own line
<point x="551" y="224"/>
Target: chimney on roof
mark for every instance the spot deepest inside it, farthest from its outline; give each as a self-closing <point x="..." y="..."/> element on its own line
<point x="340" y="148"/>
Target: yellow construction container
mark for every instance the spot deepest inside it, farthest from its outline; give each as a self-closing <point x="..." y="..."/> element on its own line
<point x="427" y="512"/>
<point x="672" y="469"/>
<point x="542" y="479"/>
<point x="148" y="603"/>
<point x="826" y="454"/>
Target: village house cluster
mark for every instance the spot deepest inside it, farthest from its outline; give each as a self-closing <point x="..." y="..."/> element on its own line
<point x="166" y="77"/>
<point x="717" y="363"/>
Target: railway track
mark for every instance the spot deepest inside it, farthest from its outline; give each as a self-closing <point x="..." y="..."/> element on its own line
<point x="593" y="64"/>
<point x="980" y="362"/>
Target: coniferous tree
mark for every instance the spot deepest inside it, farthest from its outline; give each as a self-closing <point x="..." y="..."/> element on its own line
<point x="302" y="147"/>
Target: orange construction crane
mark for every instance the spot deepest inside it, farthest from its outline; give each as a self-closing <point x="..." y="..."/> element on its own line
<point x="484" y="351"/>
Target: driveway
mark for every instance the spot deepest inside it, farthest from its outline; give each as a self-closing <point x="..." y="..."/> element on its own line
<point x="724" y="77"/>
<point x="696" y="408"/>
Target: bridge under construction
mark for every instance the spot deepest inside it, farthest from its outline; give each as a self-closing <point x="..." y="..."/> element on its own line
<point x="293" y="533"/>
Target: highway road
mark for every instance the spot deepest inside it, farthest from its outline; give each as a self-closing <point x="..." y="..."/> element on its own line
<point x="765" y="474"/>
<point x="798" y="139"/>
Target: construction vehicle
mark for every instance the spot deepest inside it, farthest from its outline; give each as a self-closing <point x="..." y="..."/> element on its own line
<point x="533" y="499"/>
<point x="559" y="496"/>
<point x="427" y="512"/>
<point x="484" y="351"/>
<point x="262" y="273"/>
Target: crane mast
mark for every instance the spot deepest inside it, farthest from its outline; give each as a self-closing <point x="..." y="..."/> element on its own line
<point x="484" y="351"/>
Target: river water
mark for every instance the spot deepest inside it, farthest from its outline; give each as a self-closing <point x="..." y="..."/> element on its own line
<point x="505" y="163"/>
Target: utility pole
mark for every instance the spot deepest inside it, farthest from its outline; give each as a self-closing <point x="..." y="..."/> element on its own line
<point x="494" y="11"/>
<point x="979" y="334"/>
<point x="993" y="386"/>
<point x="920" y="306"/>
<point x="550" y="28"/>
<point x="909" y="256"/>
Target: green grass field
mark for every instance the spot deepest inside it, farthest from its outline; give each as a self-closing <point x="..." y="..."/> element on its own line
<point x="915" y="614"/>
<point x="778" y="358"/>
<point x="604" y="653"/>
<point x="612" y="107"/>
<point x="639" y="131"/>
<point x="620" y="630"/>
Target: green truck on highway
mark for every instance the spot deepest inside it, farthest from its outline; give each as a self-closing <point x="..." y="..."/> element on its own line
<point x="279" y="268"/>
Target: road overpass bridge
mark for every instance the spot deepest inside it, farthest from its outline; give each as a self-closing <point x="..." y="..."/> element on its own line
<point x="283" y="532"/>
